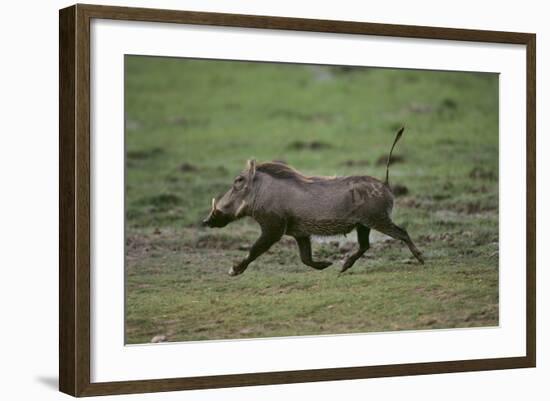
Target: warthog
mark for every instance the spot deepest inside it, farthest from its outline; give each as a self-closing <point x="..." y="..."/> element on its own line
<point x="286" y="202"/>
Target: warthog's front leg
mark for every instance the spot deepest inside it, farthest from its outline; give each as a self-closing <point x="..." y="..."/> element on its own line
<point x="304" y="244"/>
<point x="270" y="235"/>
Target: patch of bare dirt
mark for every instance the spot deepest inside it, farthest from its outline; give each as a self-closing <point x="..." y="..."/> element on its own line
<point x="188" y="168"/>
<point x="480" y="173"/>
<point x="309" y="145"/>
<point x="145" y="244"/>
<point x="356" y="163"/>
<point x="137" y="246"/>
<point x="483" y="316"/>
<point x="473" y="207"/>
<point x="448" y="104"/>
<point x="417" y="203"/>
<point x="144" y="154"/>
<point x="217" y="241"/>
<point x="445" y="237"/>
<point x="399" y="190"/>
<point x="383" y="159"/>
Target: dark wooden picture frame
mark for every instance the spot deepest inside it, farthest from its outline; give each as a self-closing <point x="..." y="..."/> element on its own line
<point x="74" y="203"/>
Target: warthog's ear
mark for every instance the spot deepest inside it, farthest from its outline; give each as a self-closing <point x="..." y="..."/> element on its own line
<point x="251" y="165"/>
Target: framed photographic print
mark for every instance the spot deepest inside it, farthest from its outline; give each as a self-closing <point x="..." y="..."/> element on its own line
<point x="250" y="200"/>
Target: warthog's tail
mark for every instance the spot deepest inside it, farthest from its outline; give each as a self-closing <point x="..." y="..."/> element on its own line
<point x="399" y="134"/>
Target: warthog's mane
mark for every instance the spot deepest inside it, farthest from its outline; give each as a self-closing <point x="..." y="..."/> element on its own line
<point x="284" y="171"/>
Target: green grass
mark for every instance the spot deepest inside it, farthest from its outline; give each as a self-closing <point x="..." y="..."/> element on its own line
<point x="191" y="125"/>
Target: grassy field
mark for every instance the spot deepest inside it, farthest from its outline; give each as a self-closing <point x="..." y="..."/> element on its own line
<point x="191" y="125"/>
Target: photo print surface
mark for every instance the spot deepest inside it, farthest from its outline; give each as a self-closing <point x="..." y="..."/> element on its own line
<point x="260" y="199"/>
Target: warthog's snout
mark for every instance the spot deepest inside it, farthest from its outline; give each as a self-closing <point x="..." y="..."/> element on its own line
<point x="216" y="218"/>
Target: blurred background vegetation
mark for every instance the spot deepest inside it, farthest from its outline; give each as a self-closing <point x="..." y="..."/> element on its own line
<point x="191" y="125"/>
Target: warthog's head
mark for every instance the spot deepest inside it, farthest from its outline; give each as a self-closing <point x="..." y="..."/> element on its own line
<point x="235" y="203"/>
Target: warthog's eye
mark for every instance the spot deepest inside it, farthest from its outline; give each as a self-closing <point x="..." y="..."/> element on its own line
<point x="238" y="183"/>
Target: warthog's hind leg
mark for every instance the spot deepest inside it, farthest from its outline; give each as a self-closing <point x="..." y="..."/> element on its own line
<point x="363" y="233"/>
<point x="394" y="231"/>
<point x="304" y="244"/>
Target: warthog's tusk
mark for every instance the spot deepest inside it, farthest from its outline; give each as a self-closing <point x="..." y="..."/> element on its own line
<point x="213" y="203"/>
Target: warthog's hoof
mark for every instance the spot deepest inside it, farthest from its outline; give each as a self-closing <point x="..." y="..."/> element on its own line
<point x="419" y="257"/>
<point x="347" y="264"/>
<point x="236" y="270"/>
